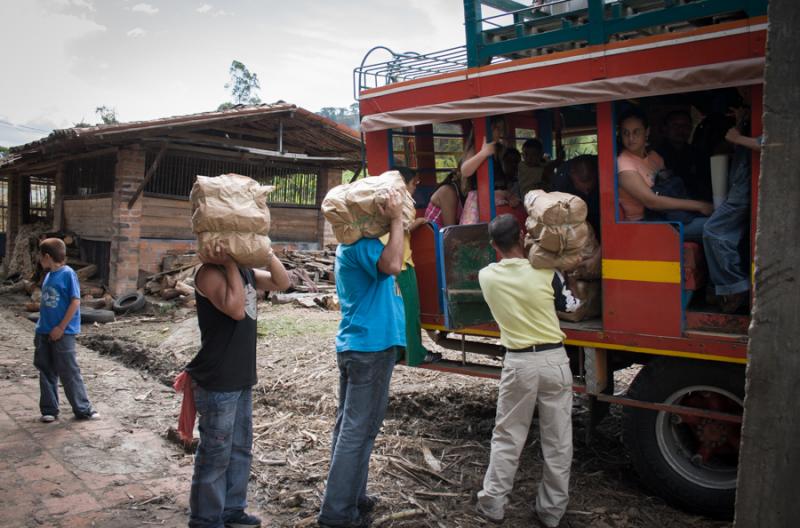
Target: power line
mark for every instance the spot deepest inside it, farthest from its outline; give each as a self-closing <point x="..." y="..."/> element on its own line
<point x="23" y="127"/>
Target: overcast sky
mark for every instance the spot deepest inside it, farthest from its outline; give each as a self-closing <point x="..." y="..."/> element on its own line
<point x="63" y="58"/>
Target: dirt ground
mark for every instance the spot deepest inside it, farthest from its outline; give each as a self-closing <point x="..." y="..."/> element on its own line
<point x="429" y="459"/>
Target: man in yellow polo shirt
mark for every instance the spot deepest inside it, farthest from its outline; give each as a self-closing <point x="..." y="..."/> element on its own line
<point x="535" y="371"/>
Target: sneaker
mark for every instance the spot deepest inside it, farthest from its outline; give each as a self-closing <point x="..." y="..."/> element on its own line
<point x="547" y="523"/>
<point x="47" y="418"/>
<point x="94" y="415"/>
<point x="367" y="505"/>
<point x="243" y="520"/>
<point x="432" y="357"/>
<point x="492" y="516"/>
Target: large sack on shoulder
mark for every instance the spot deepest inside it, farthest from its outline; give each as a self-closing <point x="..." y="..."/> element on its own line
<point x="558" y="238"/>
<point x="352" y="209"/>
<point x="555" y="208"/>
<point x="250" y="250"/>
<point x="540" y="258"/>
<point x="230" y="202"/>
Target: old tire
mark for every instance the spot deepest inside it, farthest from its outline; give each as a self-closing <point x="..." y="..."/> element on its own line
<point x="88" y="315"/>
<point x="129" y="303"/>
<point x="689" y="461"/>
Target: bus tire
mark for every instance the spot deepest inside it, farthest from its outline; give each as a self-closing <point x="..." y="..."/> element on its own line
<point x="691" y="462"/>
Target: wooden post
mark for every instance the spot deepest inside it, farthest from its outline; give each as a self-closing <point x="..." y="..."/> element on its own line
<point x="58" y="205"/>
<point x="769" y="465"/>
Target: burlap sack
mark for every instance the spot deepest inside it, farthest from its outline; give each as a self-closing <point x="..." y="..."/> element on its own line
<point x="352" y="209"/>
<point x="230" y="202"/>
<point x="558" y="238"/>
<point x="540" y="258"/>
<point x="589" y="293"/>
<point x="250" y="250"/>
<point x="555" y="208"/>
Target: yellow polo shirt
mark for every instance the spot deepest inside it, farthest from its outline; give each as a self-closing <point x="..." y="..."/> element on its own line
<point x="407" y="260"/>
<point x="522" y="303"/>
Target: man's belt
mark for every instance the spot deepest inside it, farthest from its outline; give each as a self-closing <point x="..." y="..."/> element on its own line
<point x="536" y="348"/>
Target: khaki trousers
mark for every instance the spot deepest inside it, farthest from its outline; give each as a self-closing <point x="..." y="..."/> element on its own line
<point x="528" y="379"/>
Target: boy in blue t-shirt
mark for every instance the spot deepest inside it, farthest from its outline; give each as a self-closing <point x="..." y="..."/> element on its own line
<point x="371" y="332"/>
<point x="59" y="323"/>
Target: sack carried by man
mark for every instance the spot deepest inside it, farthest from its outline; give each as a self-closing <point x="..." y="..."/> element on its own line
<point x="353" y="209"/>
<point x="558" y="235"/>
<point x="231" y="211"/>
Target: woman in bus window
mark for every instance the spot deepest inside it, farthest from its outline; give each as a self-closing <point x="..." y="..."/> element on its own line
<point x="495" y="149"/>
<point x="638" y="166"/>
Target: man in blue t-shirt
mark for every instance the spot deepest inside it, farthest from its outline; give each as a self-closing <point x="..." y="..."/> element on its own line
<point x="59" y="323"/>
<point x="371" y="330"/>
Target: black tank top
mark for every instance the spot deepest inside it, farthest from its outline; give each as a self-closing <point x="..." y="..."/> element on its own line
<point x="227" y="357"/>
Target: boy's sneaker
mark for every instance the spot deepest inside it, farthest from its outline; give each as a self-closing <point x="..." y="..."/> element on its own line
<point x="94" y="415"/>
<point x="490" y="515"/>
<point x="367" y="505"/>
<point x="243" y="520"/>
<point x="47" y="418"/>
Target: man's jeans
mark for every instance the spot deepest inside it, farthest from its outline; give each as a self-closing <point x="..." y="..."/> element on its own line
<point x="222" y="461"/>
<point x="57" y="359"/>
<point x="721" y="238"/>
<point x="363" y="395"/>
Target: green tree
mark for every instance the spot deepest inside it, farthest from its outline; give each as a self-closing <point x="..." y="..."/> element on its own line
<point x="3" y="151"/>
<point x="243" y="85"/>
<point x="107" y="114"/>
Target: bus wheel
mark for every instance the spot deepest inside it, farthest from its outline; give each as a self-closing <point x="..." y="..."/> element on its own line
<point x="690" y="461"/>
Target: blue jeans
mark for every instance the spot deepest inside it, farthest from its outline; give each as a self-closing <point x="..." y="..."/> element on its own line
<point x="723" y="232"/>
<point x="57" y="359"/>
<point x="222" y="461"/>
<point x="694" y="230"/>
<point x="363" y="396"/>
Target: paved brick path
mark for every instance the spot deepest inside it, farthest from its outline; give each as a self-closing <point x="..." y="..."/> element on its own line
<point x="115" y="472"/>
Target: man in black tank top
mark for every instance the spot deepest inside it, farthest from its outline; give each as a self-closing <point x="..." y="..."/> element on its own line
<point x="223" y="373"/>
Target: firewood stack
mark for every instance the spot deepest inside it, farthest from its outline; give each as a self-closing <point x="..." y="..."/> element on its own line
<point x="176" y="280"/>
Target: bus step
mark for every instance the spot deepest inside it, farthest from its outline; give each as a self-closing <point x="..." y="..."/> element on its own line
<point x="470" y="369"/>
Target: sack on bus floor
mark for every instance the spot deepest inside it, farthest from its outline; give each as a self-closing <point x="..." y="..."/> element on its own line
<point x="589" y="295"/>
<point x="250" y="250"/>
<point x="555" y="208"/>
<point x="352" y="208"/>
<point x="230" y="202"/>
<point x="558" y="238"/>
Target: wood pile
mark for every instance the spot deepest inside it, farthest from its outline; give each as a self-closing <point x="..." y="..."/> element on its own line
<point x="313" y="282"/>
<point x="176" y="280"/>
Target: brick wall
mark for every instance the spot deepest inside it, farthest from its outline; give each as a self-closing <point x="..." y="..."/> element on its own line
<point x="152" y="251"/>
<point x="126" y="223"/>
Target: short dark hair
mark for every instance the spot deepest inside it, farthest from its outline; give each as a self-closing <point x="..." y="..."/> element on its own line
<point x="54" y="247"/>
<point x="407" y="173"/>
<point x="533" y="142"/>
<point x="635" y="112"/>
<point x="504" y="231"/>
<point x="680" y="112"/>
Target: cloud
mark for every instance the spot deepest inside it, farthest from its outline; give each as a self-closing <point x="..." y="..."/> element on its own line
<point x="147" y="9"/>
<point x="137" y="32"/>
<point x="205" y="8"/>
<point x="84" y="4"/>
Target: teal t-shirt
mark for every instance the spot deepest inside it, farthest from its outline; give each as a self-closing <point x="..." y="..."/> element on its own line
<point x="372" y="308"/>
<point x="58" y="290"/>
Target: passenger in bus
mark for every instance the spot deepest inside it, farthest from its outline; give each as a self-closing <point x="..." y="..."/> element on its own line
<point x="531" y="170"/>
<point x="496" y="151"/>
<point x="578" y="176"/>
<point x="415" y="352"/>
<point x="727" y="227"/>
<point x="535" y="373"/>
<point x="447" y="201"/>
<point x="638" y="167"/>
<point x="681" y="158"/>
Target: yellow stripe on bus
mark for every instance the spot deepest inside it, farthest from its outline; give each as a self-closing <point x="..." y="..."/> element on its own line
<point x="609" y="346"/>
<point x="642" y="270"/>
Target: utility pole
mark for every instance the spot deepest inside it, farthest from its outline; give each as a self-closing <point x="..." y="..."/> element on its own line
<point x="769" y="467"/>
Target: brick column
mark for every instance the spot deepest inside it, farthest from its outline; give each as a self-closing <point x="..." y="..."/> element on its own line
<point x="328" y="179"/>
<point x="14" y="212"/>
<point x="126" y="223"/>
<point x="58" y="204"/>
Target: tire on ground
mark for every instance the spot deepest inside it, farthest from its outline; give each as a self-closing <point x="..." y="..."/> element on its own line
<point x="89" y="315"/>
<point x="657" y="382"/>
<point x="129" y="303"/>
